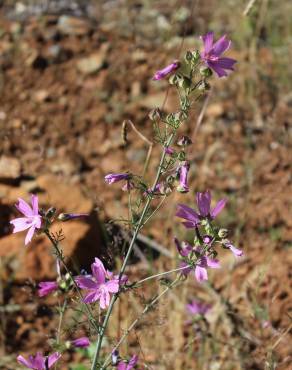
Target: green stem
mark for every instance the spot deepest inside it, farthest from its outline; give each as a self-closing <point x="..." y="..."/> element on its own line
<point x="140" y="224"/>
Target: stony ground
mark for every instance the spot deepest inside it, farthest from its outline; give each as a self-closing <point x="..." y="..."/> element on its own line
<point x="67" y="83"/>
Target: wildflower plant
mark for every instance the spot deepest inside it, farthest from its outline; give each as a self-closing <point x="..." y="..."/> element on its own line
<point x="190" y="77"/>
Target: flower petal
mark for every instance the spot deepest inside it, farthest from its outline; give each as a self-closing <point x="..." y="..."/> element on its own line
<point x="84" y="282"/>
<point x="208" y="41"/>
<point x="24" y="208"/>
<point x="53" y="358"/>
<point x="29" y="235"/>
<point x="213" y="263"/>
<point x="104" y="299"/>
<point x="221" y="45"/>
<point x="21" y="224"/>
<point x="98" y="270"/>
<point x="35" y="204"/>
<point x="218" y="208"/>
<point x="91" y="297"/>
<point x="204" y="202"/>
<point x="113" y="286"/>
<point x="219" y="71"/>
<point x="23" y="361"/>
<point x="201" y="274"/>
<point x="226" y="63"/>
<point x="187" y="213"/>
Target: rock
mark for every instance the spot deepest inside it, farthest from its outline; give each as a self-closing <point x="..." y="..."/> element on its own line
<point x="94" y="62"/>
<point x="10" y="168"/>
<point x="69" y="25"/>
<point x="41" y="96"/>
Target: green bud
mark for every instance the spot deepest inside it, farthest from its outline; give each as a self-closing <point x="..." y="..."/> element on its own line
<point x="196" y="56"/>
<point x="189" y="56"/>
<point x="181" y="156"/>
<point x="223" y="233"/>
<point x="206" y="71"/>
<point x="170" y="180"/>
<point x="173" y="79"/>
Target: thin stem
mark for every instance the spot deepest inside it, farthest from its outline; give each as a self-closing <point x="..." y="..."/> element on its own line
<point x="62" y="311"/>
<point x="59" y="256"/>
<point x="140" y="224"/>
<point x="135" y="322"/>
<point x="160" y="274"/>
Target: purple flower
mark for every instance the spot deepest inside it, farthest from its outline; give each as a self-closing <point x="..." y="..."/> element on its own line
<point x="204" y="205"/>
<point x="111" y="178"/>
<point x="159" y="75"/>
<point x="212" y="54"/>
<point x="197" y="308"/>
<point x="81" y="342"/>
<point x="39" y="362"/>
<point x="99" y="285"/>
<point x="207" y="239"/>
<point x="32" y="219"/>
<point x="183" y="177"/>
<point x="237" y="252"/>
<point x="128" y="366"/>
<point x="46" y="287"/>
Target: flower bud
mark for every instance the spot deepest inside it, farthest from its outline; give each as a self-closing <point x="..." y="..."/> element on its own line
<point x="71" y="216"/>
<point x="155" y="114"/>
<point x="223" y="233"/>
<point x="205" y="71"/>
<point x="204" y="86"/>
<point x="51" y="212"/>
<point x="184" y="141"/>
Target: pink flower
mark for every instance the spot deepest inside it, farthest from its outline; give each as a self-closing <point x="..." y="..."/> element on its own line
<point x="39" y="362"/>
<point x="81" y="342"/>
<point x="46" y="287"/>
<point x="32" y="219"/>
<point x="99" y="285"/>
<point x="200" y="269"/>
<point x="212" y="54"/>
<point x="128" y="366"/>
<point x="197" y="308"/>
<point x="236" y="252"/>
<point x="159" y="75"/>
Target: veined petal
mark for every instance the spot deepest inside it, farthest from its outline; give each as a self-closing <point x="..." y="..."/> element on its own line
<point x="226" y="63"/>
<point x="29" y="235"/>
<point x="187" y="213"/>
<point x="98" y="270"/>
<point x="189" y="224"/>
<point x="204" y="202"/>
<point x="218" y="208"/>
<point x="218" y="70"/>
<point x="53" y="358"/>
<point x="23" y="361"/>
<point x="201" y="274"/>
<point x="213" y="263"/>
<point x="91" y="297"/>
<point x="104" y="299"/>
<point x="84" y="282"/>
<point x="113" y="286"/>
<point x="24" y="208"/>
<point x="35" y="204"/>
<point x="208" y="41"/>
<point x="221" y="45"/>
<point x="21" y="224"/>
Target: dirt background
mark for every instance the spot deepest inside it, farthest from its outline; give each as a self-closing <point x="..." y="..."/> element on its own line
<point x="70" y="73"/>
